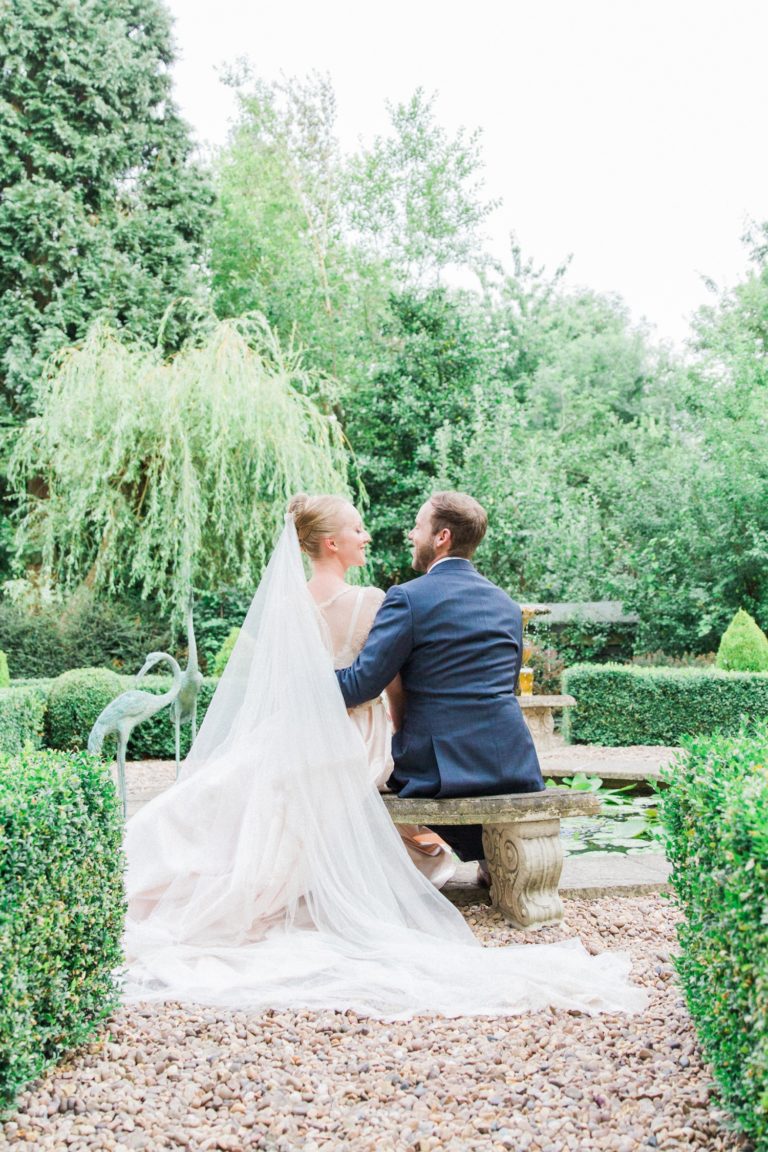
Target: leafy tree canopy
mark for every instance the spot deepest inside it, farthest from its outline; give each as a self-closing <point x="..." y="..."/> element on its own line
<point x="103" y="210"/>
<point x="141" y="473"/>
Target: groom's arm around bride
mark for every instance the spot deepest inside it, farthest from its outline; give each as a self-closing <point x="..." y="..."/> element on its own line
<point x="456" y="640"/>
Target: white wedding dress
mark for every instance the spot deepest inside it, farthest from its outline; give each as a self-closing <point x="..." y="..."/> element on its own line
<point x="271" y="876"/>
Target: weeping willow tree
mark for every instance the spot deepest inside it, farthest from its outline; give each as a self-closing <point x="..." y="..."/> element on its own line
<point x="140" y="473"/>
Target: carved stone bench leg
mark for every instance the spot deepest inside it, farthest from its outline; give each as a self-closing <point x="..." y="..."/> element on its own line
<point x="525" y="860"/>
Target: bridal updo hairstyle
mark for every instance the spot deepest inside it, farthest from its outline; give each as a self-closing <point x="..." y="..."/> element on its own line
<point x="315" y="517"/>
<point x="466" y="519"/>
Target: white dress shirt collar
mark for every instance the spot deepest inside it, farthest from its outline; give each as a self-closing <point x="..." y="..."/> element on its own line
<point x="443" y="559"/>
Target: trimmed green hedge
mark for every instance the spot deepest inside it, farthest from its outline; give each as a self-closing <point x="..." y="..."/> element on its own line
<point x="617" y="704"/>
<point x="22" y="718"/>
<point x="715" y="810"/>
<point x="75" y="699"/>
<point x="61" y="909"/>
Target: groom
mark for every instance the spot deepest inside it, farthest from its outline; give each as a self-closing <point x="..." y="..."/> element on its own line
<point x="456" y="640"/>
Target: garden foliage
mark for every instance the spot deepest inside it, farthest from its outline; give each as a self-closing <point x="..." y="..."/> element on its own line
<point x="103" y="210"/>
<point x="607" y="463"/>
<point x="715" y="810"/>
<point x="83" y="632"/>
<point x="144" y="494"/>
<point x="75" y="699"/>
<point x="618" y="704"/>
<point x="22" y="717"/>
<point x="5" y="678"/>
<point x="224" y="653"/>
<point x="216" y="615"/>
<point x="61" y="909"/>
<point x="744" y="646"/>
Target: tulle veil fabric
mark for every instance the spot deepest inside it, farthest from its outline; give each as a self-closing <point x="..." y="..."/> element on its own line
<point x="271" y="875"/>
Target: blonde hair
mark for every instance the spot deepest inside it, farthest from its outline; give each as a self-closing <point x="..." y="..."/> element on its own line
<point x="315" y="517"/>
<point x="466" y="519"/>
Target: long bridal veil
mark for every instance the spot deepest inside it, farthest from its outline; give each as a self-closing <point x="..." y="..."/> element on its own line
<point x="271" y="875"/>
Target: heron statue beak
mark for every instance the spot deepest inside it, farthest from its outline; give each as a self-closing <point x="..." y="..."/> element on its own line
<point x="151" y="661"/>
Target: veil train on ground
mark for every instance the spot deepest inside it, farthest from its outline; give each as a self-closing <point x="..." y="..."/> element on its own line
<point x="271" y="876"/>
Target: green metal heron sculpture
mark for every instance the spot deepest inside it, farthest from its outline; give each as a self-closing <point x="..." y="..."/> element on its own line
<point x="130" y="708"/>
<point x="184" y="706"/>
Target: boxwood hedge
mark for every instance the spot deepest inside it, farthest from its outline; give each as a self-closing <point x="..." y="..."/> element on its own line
<point x="22" y="718"/>
<point x="715" y="811"/>
<point x="61" y="908"/>
<point x="77" y="697"/>
<point x="617" y="704"/>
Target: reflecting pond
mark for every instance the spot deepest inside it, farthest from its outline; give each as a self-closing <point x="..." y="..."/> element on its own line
<point x="628" y="823"/>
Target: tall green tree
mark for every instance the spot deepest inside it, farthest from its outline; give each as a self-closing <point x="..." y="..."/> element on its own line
<point x="423" y="381"/>
<point x="148" y="474"/>
<point x="279" y="244"/>
<point x="416" y="195"/>
<point x="103" y="209"/>
<point x="701" y="544"/>
<point x="317" y="239"/>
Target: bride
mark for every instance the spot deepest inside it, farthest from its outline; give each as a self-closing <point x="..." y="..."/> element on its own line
<point x="271" y="876"/>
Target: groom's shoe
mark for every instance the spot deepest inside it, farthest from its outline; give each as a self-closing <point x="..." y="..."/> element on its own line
<point x="483" y="874"/>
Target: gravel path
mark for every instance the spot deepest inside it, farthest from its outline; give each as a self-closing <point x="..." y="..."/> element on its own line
<point x="172" y="1078"/>
<point x="148" y="776"/>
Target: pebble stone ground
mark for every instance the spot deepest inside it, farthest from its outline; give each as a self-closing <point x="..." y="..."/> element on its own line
<point x="166" y="1077"/>
<point x="194" y="1079"/>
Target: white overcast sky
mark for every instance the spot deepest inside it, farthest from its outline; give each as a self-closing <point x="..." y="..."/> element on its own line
<point x="629" y="133"/>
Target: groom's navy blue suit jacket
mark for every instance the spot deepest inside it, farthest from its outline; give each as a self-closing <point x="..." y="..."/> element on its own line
<point x="456" y="640"/>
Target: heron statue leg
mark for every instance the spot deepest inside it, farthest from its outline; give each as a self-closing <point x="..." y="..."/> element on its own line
<point x="194" y="721"/>
<point x="122" y="744"/>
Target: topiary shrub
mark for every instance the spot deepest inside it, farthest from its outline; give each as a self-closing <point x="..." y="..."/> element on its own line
<point x="224" y="653"/>
<point x="5" y="676"/>
<point x="75" y="700"/>
<point x="619" y="704"/>
<point x="61" y="909"/>
<point x="22" y="718"/>
<point x="715" y="811"/>
<point x="744" y="646"/>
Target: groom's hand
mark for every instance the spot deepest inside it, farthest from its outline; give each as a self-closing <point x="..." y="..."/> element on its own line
<point x="385" y="651"/>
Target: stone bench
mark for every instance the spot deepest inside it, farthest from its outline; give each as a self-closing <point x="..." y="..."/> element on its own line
<point x="538" y="715"/>
<point x="521" y="838"/>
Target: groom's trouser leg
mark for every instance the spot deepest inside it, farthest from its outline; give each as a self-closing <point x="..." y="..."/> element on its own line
<point x="465" y="839"/>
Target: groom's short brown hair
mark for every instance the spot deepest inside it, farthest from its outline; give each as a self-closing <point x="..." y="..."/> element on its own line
<point x="466" y="519"/>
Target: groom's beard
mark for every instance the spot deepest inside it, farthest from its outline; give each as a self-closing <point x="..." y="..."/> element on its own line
<point x="422" y="557"/>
